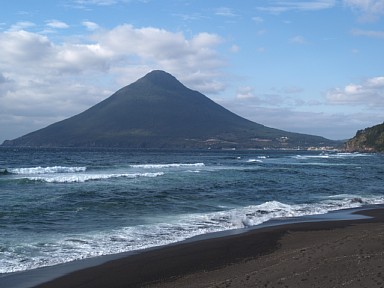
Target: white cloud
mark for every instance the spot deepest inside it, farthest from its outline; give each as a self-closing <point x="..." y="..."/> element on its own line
<point x="225" y="11"/>
<point x="190" y="17"/>
<point x="258" y="20"/>
<point x="3" y="79"/>
<point x="368" y="33"/>
<point x="284" y="97"/>
<point x="90" y="25"/>
<point x="376" y="82"/>
<point x="57" y="24"/>
<point x="235" y="48"/>
<point x="22" y="25"/>
<point x="278" y="6"/>
<point x="261" y="32"/>
<point x="87" y="4"/>
<point x="298" y="39"/>
<point x="22" y="46"/>
<point x="369" y="10"/>
<point x="6" y="85"/>
<point x="246" y="92"/>
<point x="167" y="50"/>
<point x="111" y="48"/>
<point x="368" y="93"/>
<point x="96" y="2"/>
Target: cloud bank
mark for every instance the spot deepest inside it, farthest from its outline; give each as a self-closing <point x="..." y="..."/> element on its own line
<point x="369" y="93"/>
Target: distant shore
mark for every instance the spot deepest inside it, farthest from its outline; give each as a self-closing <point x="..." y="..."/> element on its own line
<point x="318" y="253"/>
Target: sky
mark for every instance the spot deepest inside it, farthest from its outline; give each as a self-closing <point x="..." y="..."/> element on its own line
<point x="314" y="67"/>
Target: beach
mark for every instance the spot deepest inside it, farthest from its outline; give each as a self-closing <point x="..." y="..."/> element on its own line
<point x="345" y="253"/>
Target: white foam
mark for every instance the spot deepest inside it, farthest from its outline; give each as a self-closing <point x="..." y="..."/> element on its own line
<point x="80" y="178"/>
<point x="254" y="161"/>
<point x="46" y="170"/>
<point x="170" y="165"/>
<point x="355" y="154"/>
<point x="321" y="156"/>
<point x="332" y="155"/>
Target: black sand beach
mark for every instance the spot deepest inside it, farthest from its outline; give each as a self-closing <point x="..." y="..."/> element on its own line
<point x="310" y="254"/>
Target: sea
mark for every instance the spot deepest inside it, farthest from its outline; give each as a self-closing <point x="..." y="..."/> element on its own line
<point x="61" y="205"/>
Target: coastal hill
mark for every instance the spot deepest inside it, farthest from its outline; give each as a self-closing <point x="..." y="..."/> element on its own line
<point x="157" y="111"/>
<point x="367" y="140"/>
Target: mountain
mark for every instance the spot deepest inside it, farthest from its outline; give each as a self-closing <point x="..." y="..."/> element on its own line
<point x="367" y="140"/>
<point x="157" y="111"/>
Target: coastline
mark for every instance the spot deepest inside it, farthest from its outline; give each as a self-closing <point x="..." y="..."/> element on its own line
<point x="203" y="257"/>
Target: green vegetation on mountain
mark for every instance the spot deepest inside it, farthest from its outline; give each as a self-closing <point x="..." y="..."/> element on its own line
<point x="367" y="140"/>
<point x="157" y="111"/>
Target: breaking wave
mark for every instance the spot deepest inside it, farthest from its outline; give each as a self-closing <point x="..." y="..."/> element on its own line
<point x="332" y="155"/>
<point x="171" y="165"/>
<point x="45" y="170"/>
<point x="81" y="178"/>
<point x="67" y="248"/>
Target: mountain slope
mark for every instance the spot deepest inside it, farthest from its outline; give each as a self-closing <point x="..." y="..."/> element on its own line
<point x="157" y="111"/>
<point x="368" y="140"/>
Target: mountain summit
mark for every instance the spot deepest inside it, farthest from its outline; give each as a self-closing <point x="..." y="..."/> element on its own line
<point x="157" y="111"/>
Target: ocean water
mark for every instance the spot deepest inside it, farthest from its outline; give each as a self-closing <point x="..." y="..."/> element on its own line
<point x="60" y="205"/>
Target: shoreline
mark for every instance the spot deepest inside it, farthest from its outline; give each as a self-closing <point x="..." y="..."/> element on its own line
<point x="207" y="252"/>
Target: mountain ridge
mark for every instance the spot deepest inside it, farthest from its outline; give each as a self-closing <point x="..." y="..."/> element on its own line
<point x="158" y="111"/>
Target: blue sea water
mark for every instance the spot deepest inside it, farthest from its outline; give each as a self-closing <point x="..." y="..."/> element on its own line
<point x="60" y="205"/>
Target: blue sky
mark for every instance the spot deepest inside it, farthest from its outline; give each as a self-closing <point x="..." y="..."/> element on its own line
<point x="313" y="67"/>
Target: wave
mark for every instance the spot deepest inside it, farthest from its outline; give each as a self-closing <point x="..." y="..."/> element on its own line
<point x="257" y="214"/>
<point x="170" y="165"/>
<point x="45" y="170"/>
<point x="332" y="155"/>
<point x="81" y="178"/>
<point x="65" y="248"/>
<point x="254" y="161"/>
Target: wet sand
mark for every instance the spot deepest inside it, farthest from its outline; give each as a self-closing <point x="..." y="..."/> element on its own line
<point x="310" y="254"/>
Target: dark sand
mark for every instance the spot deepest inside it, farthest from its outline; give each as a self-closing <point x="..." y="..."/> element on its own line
<point x="312" y="254"/>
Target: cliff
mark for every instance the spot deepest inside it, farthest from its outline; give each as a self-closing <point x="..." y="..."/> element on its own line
<point x="367" y="140"/>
